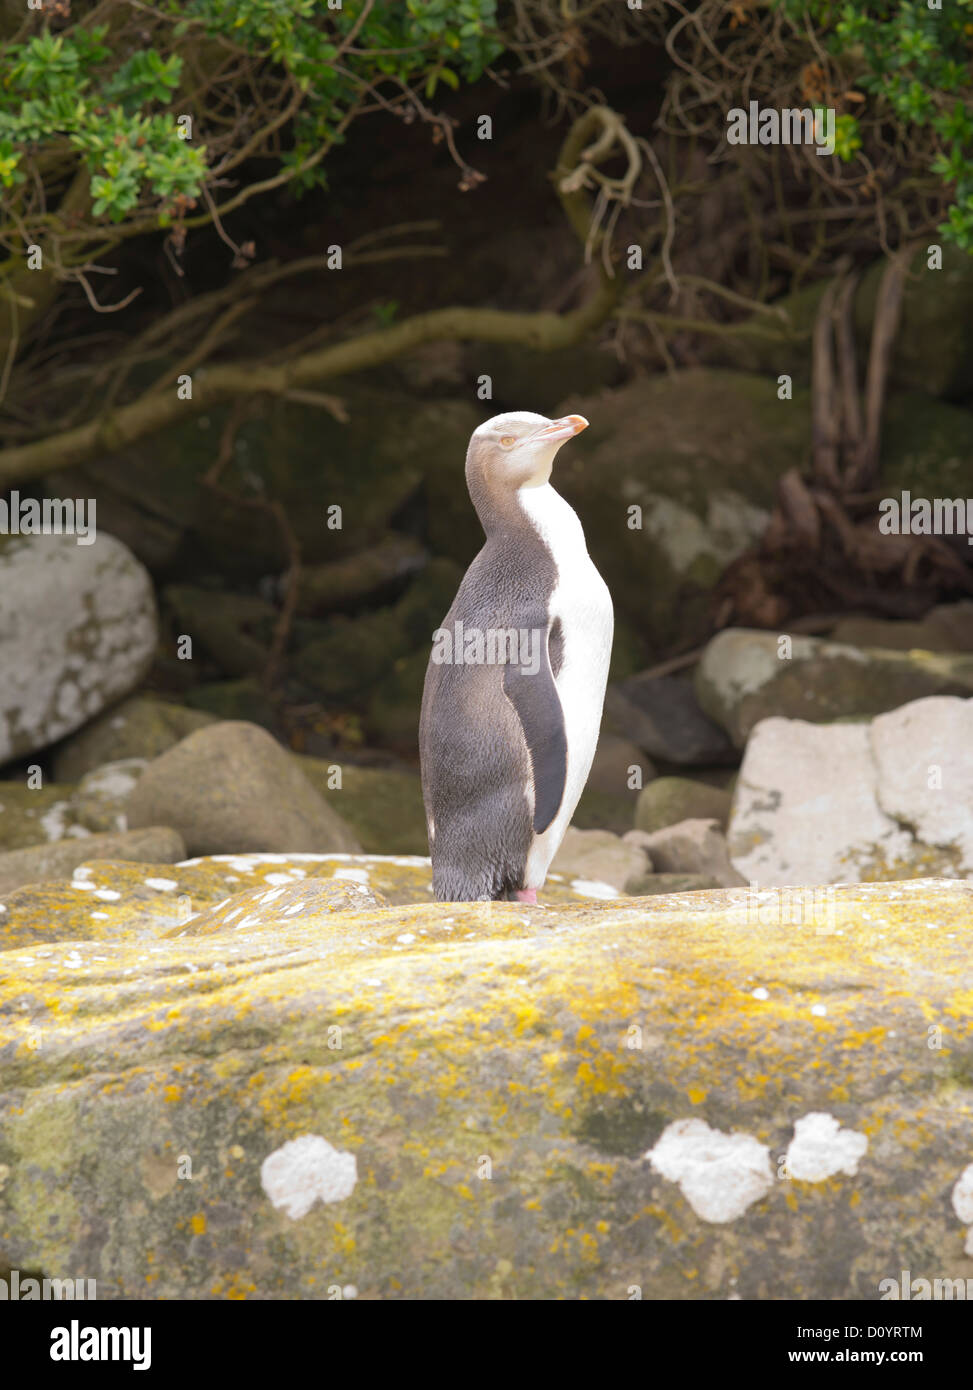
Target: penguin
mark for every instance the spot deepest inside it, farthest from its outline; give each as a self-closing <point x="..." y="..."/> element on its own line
<point x="514" y="688"/>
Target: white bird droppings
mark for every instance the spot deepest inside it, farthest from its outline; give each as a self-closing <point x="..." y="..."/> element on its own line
<point x="720" y="1175"/>
<point x="760" y="993"/>
<point x="406" y="938"/>
<point x="821" y="1148"/>
<point x="162" y="885"/>
<point x="305" y="1171"/>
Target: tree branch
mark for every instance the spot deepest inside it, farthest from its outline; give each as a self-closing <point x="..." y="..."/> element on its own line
<point x="214" y="386"/>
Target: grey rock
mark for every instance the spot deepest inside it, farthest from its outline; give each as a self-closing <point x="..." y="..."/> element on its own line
<point x="229" y="788"/>
<point x="662" y="715"/>
<point x="600" y="857"/>
<point x="694" y="847"/>
<point x="78" y="631"/>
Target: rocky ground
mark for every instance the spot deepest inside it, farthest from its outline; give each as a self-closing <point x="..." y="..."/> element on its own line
<point x="245" y="1055"/>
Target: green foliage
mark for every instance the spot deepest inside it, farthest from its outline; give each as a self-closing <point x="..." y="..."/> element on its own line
<point x="918" y="62"/>
<point x="80" y="90"/>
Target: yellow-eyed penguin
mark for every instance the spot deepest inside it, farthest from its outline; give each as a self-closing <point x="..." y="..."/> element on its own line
<point x="516" y="680"/>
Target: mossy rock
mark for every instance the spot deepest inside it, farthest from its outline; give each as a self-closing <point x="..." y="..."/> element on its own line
<point x="933" y="348"/>
<point x="700" y="454"/>
<point x="669" y="800"/>
<point x="143" y="726"/>
<point x="383" y="806"/>
<point x="36" y="815"/>
<point x="743" y="678"/>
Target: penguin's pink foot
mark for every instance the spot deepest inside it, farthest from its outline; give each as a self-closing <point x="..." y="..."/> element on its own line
<point x="527" y="895"/>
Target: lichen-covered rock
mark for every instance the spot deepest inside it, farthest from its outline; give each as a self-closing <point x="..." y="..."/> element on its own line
<point x="140" y="727"/>
<point x="100" y="800"/>
<point x="110" y="900"/>
<point x="78" y="630"/>
<point x="669" y="800"/>
<point x="718" y="1095"/>
<point x="230" y="788"/>
<point x="281" y="905"/>
<point x="886" y="799"/>
<point x="59" y="859"/>
<point x="746" y="675"/>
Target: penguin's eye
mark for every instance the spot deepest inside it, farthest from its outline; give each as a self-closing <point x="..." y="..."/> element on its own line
<point x="508" y="441"/>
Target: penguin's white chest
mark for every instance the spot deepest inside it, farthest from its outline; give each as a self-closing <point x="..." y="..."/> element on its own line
<point x="582" y="605"/>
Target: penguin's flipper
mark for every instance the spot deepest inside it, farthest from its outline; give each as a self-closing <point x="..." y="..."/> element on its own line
<point x="534" y="696"/>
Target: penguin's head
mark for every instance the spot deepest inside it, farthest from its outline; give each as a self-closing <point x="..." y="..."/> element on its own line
<point x="517" y="449"/>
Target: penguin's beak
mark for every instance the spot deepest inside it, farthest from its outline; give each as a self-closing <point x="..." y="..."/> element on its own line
<point x="565" y="428"/>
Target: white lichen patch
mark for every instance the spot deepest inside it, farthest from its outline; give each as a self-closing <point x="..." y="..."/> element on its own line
<point x="720" y="1175"/>
<point x="305" y="1171"/>
<point x="821" y="1148"/>
<point x="963" y="1204"/>
<point x="731" y="524"/>
<point x="55" y="822"/>
<point x="594" y="888"/>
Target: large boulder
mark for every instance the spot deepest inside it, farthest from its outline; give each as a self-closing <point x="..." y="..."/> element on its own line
<point x="229" y="788"/>
<point x="889" y="799"/>
<point x="747" y="675"/>
<point x="698" y="1096"/>
<point x="77" y="629"/>
<point x="674" y="478"/>
<point x="142" y="726"/>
